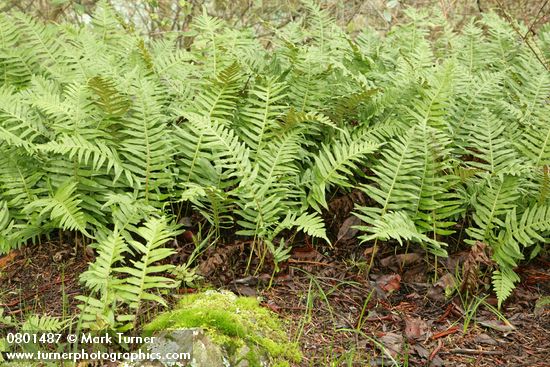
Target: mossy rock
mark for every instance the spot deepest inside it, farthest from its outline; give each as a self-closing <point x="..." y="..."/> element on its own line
<point x="239" y="332"/>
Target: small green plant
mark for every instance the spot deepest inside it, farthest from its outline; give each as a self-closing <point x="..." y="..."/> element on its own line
<point x="185" y="273"/>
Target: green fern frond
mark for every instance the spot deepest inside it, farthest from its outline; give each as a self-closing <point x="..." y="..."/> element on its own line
<point x="492" y="152"/>
<point x="98" y="314"/>
<point x="18" y="125"/>
<point x="472" y="48"/>
<point x="45" y="42"/>
<point x="146" y="145"/>
<point x="62" y="207"/>
<point x="100" y="153"/>
<point x="397" y="226"/>
<point x="504" y="281"/>
<point x="474" y="94"/>
<point x="431" y="108"/>
<point x="229" y="155"/>
<point x="258" y="117"/>
<point x="322" y="25"/>
<point x="43" y="323"/>
<point x="259" y="212"/>
<point x="534" y="142"/>
<point x="333" y="167"/>
<point x="310" y="223"/>
<point x="497" y="197"/>
<point x="19" y="178"/>
<point x="396" y="177"/>
<point x="109" y="98"/>
<point x="208" y="40"/>
<point x="219" y="99"/>
<point x="100" y="275"/>
<point x="521" y="232"/>
<point x="144" y="276"/>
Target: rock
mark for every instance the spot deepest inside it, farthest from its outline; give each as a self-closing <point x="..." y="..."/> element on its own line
<point x="220" y="329"/>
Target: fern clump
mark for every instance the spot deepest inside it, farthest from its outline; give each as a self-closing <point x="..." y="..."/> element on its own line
<point x="103" y="131"/>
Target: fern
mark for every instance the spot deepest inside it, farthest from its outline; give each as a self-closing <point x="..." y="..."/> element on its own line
<point x="400" y="227"/>
<point x="219" y="100"/>
<point x="62" y="207"/>
<point x="103" y="130"/>
<point x="100" y="276"/>
<point x="333" y="166"/>
<point x="44" y="323"/>
<point x="143" y="275"/>
<point x="100" y="153"/>
<point x="496" y="199"/>
<point x="504" y="281"/>
<point x="492" y="151"/>
<point x="258" y="117"/>
<point x="145" y="145"/>
<point x="311" y="224"/>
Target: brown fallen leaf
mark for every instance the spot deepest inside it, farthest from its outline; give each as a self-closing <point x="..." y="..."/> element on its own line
<point x="389" y="283"/>
<point x="370" y="251"/>
<point x="8" y="258"/>
<point x="416" y="328"/>
<point x="244" y="290"/>
<point x="442" y="287"/>
<point x="393" y="343"/>
<point x="485" y="339"/>
<point x="401" y="260"/>
<point x="421" y="351"/>
<point x="347" y="230"/>
<point x="498" y="325"/>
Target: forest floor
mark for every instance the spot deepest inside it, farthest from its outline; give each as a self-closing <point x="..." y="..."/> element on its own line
<point x="340" y="314"/>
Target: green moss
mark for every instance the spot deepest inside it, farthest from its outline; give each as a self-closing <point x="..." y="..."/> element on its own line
<point x="234" y="323"/>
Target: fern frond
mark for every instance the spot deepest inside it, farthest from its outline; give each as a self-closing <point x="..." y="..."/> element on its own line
<point x="222" y="146"/>
<point x="19" y="178"/>
<point x="474" y="94"/>
<point x="396" y="177"/>
<point x="259" y="115"/>
<point x="431" y="108"/>
<point x="322" y="25"/>
<point x="397" y="226"/>
<point x="498" y="196"/>
<point x="45" y="42"/>
<point x="144" y="274"/>
<point x="504" y="281"/>
<point x="109" y="98"/>
<point x="259" y="212"/>
<point x="100" y="153"/>
<point x="219" y="99"/>
<point x="100" y="275"/>
<point x="208" y="40"/>
<point x="310" y="223"/>
<point x="277" y="163"/>
<point x="534" y="142"/>
<point x="333" y="166"/>
<point x="18" y="125"/>
<point x="492" y="151"/>
<point x="521" y="232"/>
<point x="146" y="146"/>
<point x="45" y="323"/>
<point x="97" y="314"/>
<point x="62" y="207"/>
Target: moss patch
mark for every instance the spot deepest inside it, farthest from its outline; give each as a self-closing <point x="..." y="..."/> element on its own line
<point x="244" y="329"/>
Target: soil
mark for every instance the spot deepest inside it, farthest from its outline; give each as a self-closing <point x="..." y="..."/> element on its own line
<point x="341" y="314"/>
